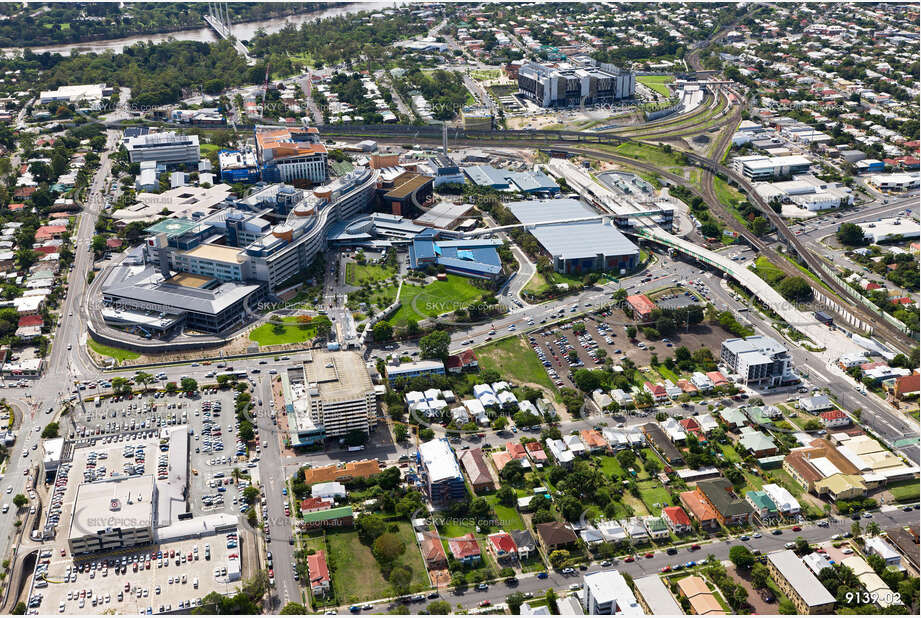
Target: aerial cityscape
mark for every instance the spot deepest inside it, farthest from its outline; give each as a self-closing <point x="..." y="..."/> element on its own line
<point x="545" y="308"/>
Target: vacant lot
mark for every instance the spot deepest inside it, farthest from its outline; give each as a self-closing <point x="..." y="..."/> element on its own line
<point x="644" y="152"/>
<point x="514" y="360"/>
<point x="357" y="575"/>
<point x="435" y="298"/>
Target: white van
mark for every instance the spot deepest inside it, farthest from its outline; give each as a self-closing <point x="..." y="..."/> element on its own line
<point x="6" y="508"/>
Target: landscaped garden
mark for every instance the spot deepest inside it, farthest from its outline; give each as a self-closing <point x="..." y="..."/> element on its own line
<point x="290" y="329"/>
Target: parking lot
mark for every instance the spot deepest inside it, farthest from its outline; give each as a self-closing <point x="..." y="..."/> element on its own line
<point x="137" y="580"/>
<point x="214" y="450"/>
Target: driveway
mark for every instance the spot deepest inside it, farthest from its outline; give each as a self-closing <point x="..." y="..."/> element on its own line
<point x="754" y="599"/>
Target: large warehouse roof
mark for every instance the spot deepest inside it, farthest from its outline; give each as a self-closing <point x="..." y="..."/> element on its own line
<point x="571" y="240"/>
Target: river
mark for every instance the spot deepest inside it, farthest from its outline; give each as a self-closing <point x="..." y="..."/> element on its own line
<point x="243" y="31"/>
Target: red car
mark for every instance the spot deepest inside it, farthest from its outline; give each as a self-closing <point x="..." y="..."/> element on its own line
<point x="666" y="569"/>
<point x="649" y="554"/>
<point x="485" y="603"/>
<point x="629" y="559"/>
<point x="695" y="546"/>
<point x="797" y="528"/>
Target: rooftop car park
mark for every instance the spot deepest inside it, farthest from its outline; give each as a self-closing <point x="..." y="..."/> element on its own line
<point x="147" y="580"/>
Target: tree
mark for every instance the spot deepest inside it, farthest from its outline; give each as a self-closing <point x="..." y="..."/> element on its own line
<point x="558" y="557"/>
<point x="293" y="608"/>
<point x="369" y="527"/>
<point x="439" y="608"/>
<point x="506" y="496"/>
<point x="20" y="501"/>
<point x="188" y="385"/>
<point x="382" y="331"/>
<point x="760" y="576"/>
<point x="50" y="431"/>
<point x="435" y="345"/>
<point x="586" y="379"/>
<point x="400" y="579"/>
<point x="170" y="386"/>
<point x="514" y="602"/>
<point x="851" y="235"/>
<point x="802" y="545"/>
<point x="742" y="557"/>
<point x="143" y="378"/>
<point x="20" y="609"/>
<point x="388" y="547"/>
<point x="855" y="529"/>
<point x="98" y="244"/>
<point x="631" y="332"/>
<point x="795" y="288"/>
<point x="400" y="433"/>
<point x="121" y="386"/>
<point x="355" y="437"/>
<point x="760" y="226"/>
<point x="626" y="458"/>
<point x="247" y="432"/>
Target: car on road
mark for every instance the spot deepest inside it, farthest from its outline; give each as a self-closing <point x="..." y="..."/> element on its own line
<point x="777" y="531"/>
<point x="543" y="575"/>
<point x="797" y="528"/>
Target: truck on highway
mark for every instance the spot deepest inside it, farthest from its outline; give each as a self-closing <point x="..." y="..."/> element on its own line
<point x="353" y="449"/>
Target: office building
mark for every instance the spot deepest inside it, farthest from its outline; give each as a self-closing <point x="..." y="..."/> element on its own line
<point x="112" y="515"/>
<point x="576" y="246"/>
<point x="760" y="361"/>
<point x="760" y="167"/>
<point x="168" y="148"/>
<point x="338" y="394"/>
<point x="803" y="589"/>
<point x="292" y="155"/>
<point x="412" y="370"/>
<point x="581" y="82"/>
<point x="607" y="593"/>
<point x="441" y="474"/>
<point x="477" y="258"/>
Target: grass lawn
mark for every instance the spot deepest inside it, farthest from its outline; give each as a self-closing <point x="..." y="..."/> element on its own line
<point x="644" y="152"/>
<point x="639" y="508"/>
<point x="539" y="283"/>
<point x="610" y="465"/>
<point x="356" y="574"/>
<point x="117" y="353"/>
<point x="657" y="83"/>
<point x="438" y="297"/>
<point x="905" y="491"/>
<point x="767" y="271"/>
<point x="483" y="75"/>
<point x="357" y="274"/>
<point x="652" y="492"/>
<point x="726" y="194"/>
<point x="513" y="360"/>
<point x="507" y="515"/>
<point x="730" y="453"/>
<point x="787" y="481"/>
<point x="290" y="331"/>
<point x="667" y="373"/>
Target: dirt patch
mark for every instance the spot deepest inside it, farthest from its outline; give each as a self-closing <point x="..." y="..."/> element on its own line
<point x="754" y="598"/>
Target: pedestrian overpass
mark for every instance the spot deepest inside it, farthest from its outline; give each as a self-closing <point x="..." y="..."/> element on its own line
<point x="835" y="342"/>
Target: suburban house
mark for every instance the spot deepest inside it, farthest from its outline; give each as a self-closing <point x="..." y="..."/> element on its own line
<point x="524" y="542"/>
<point x="676" y="519"/>
<point x="463" y="361"/>
<point x="835" y="418"/>
<point x="555" y="535"/>
<point x="465" y="548"/>
<point x="477" y="470"/>
<point x="502" y="546"/>
<point x="318" y="571"/>
<point x="433" y="551"/>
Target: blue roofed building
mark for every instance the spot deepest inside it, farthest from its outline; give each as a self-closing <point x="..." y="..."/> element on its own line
<point x="470" y="258"/>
